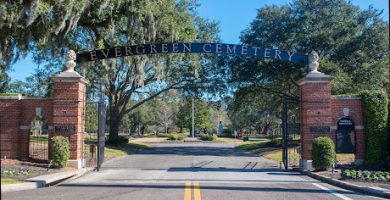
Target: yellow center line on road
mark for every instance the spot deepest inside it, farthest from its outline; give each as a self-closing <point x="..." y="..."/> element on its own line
<point x="187" y="191"/>
<point x="196" y="191"/>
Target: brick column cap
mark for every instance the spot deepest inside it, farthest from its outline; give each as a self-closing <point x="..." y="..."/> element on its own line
<point x="69" y="77"/>
<point x="315" y="77"/>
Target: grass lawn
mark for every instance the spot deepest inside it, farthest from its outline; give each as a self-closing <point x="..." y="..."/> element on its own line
<point x="117" y="151"/>
<point x="7" y="181"/>
<point x="111" y="151"/>
<point x="228" y="140"/>
<point x="276" y="155"/>
<point x="39" y="139"/>
<point x="345" y="158"/>
<point x="252" y="146"/>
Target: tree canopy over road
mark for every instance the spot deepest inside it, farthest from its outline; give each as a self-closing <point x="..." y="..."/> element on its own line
<point x="352" y="43"/>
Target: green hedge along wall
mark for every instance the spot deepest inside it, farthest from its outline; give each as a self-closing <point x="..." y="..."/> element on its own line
<point x="375" y="106"/>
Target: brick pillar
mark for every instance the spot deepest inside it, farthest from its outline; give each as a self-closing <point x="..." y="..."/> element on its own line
<point x="69" y="93"/>
<point x="316" y="113"/>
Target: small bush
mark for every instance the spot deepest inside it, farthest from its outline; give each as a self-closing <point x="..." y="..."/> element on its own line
<point x="117" y="140"/>
<point x="323" y="153"/>
<point x="162" y="135"/>
<point x="226" y="133"/>
<point x="207" y="137"/>
<point x="181" y="136"/>
<point x="175" y="136"/>
<point x="275" y="142"/>
<point x="215" y="137"/>
<point x="61" y="152"/>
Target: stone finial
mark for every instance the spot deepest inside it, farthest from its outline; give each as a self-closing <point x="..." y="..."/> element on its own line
<point x="313" y="62"/>
<point x="70" y="63"/>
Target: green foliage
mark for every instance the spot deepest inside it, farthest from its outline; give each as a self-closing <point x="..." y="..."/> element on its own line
<point x="323" y="153"/>
<point x="61" y="151"/>
<point x="365" y="175"/>
<point x="207" y="137"/>
<point x="9" y="94"/>
<point x="176" y="136"/>
<point x="12" y="172"/>
<point x="227" y="133"/>
<point x="375" y="104"/>
<point x="202" y="114"/>
<point x="91" y="117"/>
<point x="255" y="109"/>
<point x="215" y="137"/>
<point x="113" y="151"/>
<point x="352" y="45"/>
<point x="162" y="135"/>
<point x="117" y="140"/>
<point x="251" y="146"/>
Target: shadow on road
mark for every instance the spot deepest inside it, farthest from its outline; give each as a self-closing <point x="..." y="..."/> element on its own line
<point x="205" y="187"/>
<point x="196" y="151"/>
<point x="222" y="169"/>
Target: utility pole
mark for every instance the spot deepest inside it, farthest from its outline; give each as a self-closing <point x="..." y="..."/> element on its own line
<point x="193" y="118"/>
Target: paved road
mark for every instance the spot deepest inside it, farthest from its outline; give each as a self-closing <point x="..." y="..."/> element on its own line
<point x="188" y="171"/>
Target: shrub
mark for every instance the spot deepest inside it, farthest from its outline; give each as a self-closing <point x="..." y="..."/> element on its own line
<point x="181" y="136"/>
<point x="206" y="137"/>
<point x="375" y="106"/>
<point x="275" y="142"/>
<point x="117" y="140"/>
<point x="215" y="137"/>
<point x="227" y="133"/>
<point x="175" y="136"/>
<point x="323" y="153"/>
<point x="61" y="152"/>
<point x="162" y="135"/>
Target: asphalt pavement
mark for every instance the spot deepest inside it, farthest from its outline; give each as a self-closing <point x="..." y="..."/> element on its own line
<point x="214" y="171"/>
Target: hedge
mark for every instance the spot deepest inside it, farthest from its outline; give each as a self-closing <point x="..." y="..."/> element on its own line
<point x="207" y="137"/>
<point x="61" y="152"/>
<point x="323" y="153"/>
<point x="375" y="113"/>
<point x="176" y="136"/>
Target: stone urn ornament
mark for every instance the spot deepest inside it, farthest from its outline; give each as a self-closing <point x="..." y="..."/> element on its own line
<point x="313" y="62"/>
<point x="70" y="63"/>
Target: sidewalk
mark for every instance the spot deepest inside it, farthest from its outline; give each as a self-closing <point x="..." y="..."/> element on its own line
<point x="373" y="191"/>
<point x="44" y="180"/>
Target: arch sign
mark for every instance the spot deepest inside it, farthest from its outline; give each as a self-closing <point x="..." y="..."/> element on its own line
<point x="216" y="48"/>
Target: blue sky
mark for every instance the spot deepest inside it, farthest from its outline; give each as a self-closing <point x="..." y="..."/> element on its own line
<point x="234" y="16"/>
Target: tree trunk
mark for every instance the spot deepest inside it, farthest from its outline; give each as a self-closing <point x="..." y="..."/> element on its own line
<point x="115" y="120"/>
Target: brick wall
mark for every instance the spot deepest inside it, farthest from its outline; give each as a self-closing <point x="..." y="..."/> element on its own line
<point x="355" y="105"/>
<point x="320" y="109"/>
<point x="66" y="107"/>
<point x="16" y="115"/>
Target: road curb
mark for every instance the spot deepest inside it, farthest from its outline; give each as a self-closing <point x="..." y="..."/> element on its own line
<point x="350" y="186"/>
<point x="44" y="181"/>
